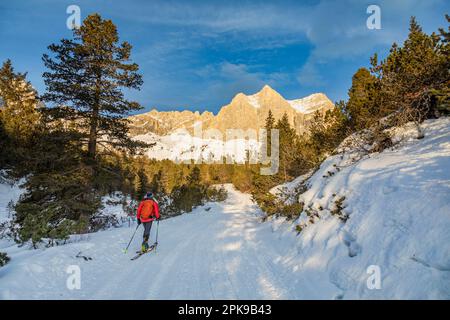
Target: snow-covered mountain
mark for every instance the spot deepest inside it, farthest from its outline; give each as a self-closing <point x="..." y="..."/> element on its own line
<point x="175" y="138"/>
<point x="243" y="112"/>
<point x="311" y="103"/>
<point x="394" y="243"/>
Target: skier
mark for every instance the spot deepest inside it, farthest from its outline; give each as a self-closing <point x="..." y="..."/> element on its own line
<point x="147" y="211"/>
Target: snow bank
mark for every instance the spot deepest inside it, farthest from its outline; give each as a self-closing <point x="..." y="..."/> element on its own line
<point x="398" y="204"/>
<point x="289" y="191"/>
<point x="113" y="205"/>
<point x="10" y="192"/>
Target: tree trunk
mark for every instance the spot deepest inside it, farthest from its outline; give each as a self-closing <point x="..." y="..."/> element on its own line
<point x="92" y="146"/>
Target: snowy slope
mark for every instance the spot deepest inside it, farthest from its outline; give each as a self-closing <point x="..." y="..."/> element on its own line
<point x="399" y="220"/>
<point x="181" y="146"/>
<point x="398" y="203"/>
<point x="254" y="101"/>
<point x="10" y="191"/>
<point x="310" y="104"/>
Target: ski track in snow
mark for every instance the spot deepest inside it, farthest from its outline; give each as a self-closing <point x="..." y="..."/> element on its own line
<point x="201" y="255"/>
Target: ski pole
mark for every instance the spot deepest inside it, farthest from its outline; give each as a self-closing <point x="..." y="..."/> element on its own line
<point x="126" y="250"/>
<point x="157" y="228"/>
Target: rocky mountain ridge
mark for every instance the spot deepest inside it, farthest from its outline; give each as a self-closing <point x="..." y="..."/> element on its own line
<point x="243" y="112"/>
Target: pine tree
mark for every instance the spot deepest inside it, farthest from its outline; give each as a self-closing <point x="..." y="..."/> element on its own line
<point x="57" y="203"/>
<point x="328" y="131"/>
<point x="362" y="102"/>
<point x="141" y="184"/>
<point x="4" y="146"/>
<point x="287" y="147"/>
<point x="270" y="124"/>
<point x="270" y="121"/>
<point x="410" y="76"/>
<point x="85" y="81"/>
<point x="157" y="185"/>
<point x="194" y="177"/>
<point x="442" y="93"/>
<point x="18" y="104"/>
<point x="191" y="194"/>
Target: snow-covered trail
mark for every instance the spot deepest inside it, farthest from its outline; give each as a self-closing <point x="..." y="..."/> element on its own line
<point x="223" y="253"/>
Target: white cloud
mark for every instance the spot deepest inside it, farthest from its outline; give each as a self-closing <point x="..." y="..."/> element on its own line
<point x="308" y="75"/>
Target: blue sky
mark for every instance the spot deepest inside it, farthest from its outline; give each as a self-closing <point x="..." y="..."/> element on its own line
<point x="198" y="54"/>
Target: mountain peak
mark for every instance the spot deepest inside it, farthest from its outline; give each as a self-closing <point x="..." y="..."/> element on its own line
<point x="267" y="90"/>
<point x="239" y="97"/>
<point x="253" y="98"/>
<point x="266" y="93"/>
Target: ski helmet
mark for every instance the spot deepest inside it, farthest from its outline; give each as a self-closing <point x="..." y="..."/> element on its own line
<point x="148" y="195"/>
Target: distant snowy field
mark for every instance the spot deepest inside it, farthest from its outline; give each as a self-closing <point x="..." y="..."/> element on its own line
<point x="397" y="201"/>
<point x="181" y="146"/>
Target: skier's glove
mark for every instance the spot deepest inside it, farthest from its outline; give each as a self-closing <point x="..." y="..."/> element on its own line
<point x="139" y="222"/>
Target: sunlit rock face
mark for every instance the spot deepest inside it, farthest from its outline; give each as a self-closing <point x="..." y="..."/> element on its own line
<point x="243" y="112"/>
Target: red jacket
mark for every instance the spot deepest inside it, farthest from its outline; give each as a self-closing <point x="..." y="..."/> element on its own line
<point x="143" y="206"/>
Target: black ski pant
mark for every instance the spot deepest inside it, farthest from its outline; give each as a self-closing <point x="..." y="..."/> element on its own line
<point x="147" y="228"/>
